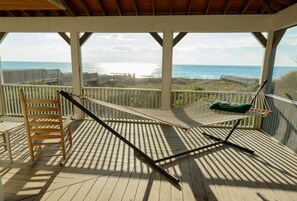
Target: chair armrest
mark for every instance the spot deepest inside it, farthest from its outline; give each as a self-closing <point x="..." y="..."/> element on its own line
<point x="67" y="122"/>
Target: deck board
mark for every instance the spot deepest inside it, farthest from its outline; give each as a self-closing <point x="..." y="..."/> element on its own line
<point x="101" y="167"/>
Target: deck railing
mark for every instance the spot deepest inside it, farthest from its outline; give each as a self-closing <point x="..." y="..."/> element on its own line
<point x="182" y="98"/>
<point x="12" y="103"/>
<point x="282" y="122"/>
<point x="143" y="98"/>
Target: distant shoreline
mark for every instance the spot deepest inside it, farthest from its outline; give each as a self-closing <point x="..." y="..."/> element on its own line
<point x="189" y="71"/>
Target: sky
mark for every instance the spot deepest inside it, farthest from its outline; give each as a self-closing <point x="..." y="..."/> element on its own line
<point x="194" y="48"/>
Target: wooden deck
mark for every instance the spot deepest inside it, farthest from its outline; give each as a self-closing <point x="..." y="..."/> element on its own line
<point x="101" y="167"/>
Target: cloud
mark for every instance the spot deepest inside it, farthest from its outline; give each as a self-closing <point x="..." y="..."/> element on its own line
<point x="218" y="44"/>
<point x="292" y="41"/>
<point x="113" y="36"/>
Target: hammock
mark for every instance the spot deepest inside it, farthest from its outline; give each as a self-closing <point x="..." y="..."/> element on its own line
<point x="194" y="115"/>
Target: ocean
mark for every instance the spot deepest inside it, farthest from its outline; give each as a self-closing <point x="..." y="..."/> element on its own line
<point x="153" y="70"/>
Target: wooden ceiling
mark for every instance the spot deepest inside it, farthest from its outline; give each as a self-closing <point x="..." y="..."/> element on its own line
<point x="46" y="8"/>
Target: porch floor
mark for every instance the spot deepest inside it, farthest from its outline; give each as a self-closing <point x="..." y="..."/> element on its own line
<point x="101" y="167"/>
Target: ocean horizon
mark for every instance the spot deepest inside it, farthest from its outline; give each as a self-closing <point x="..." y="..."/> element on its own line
<point x="145" y="70"/>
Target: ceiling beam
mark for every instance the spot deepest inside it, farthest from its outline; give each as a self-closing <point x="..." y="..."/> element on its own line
<point x="56" y="13"/>
<point x="85" y="7"/>
<point x="11" y="13"/>
<point x="69" y="9"/>
<point x="246" y="6"/>
<point x="207" y="7"/>
<point x="170" y="7"/>
<point x="136" y="7"/>
<point x="101" y="7"/>
<point x="25" y="13"/>
<point x="266" y="5"/>
<point x="153" y="7"/>
<point x="285" y="18"/>
<point x="118" y="7"/>
<point x="142" y="24"/>
<point x="57" y="3"/>
<point x="227" y="7"/>
<point x="40" y="13"/>
<point x="283" y="2"/>
<point x="189" y="7"/>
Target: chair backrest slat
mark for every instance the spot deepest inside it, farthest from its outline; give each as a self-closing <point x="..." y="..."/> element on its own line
<point x="43" y="121"/>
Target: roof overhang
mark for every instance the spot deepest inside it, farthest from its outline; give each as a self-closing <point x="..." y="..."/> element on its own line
<point x="177" y="23"/>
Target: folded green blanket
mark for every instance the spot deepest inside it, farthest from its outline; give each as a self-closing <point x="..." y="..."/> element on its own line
<point x="230" y="107"/>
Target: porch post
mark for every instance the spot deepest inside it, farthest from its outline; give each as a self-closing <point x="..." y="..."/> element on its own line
<point x="273" y="39"/>
<point x="166" y="69"/>
<point x="268" y="62"/>
<point x="267" y="67"/>
<point x="76" y="69"/>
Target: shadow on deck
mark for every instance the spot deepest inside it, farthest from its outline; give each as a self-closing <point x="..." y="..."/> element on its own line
<point x="101" y="167"/>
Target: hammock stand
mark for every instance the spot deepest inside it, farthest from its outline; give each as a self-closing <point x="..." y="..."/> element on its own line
<point x="220" y="141"/>
<point x="153" y="163"/>
<point x="137" y="152"/>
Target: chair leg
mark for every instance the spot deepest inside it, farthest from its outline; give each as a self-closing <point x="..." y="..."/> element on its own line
<point x="4" y="142"/>
<point x="68" y="153"/>
<point x="31" y="150"/>
<point x="33" y="157"/>
<point x="70" y="137"/>
<point x="63" y="147"/>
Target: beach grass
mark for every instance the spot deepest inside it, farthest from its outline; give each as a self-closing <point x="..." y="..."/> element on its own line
<point x="190" y="84"/>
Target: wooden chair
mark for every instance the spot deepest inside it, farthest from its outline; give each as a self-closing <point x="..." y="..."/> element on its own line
<point x="47" y="134"/>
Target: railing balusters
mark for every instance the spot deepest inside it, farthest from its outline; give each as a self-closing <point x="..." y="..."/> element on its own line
<point x="147" y="98"/>
<point x="12" y="101"/>
<point x="181" y="98"/>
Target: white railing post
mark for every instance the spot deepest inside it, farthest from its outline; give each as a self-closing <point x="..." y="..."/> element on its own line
<point x="76" y="69"/>
<point x="166" y="69"/>
<point x="1" y="91"/>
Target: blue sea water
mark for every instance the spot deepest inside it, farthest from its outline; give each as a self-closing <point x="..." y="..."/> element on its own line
<point x="153" y="70"/>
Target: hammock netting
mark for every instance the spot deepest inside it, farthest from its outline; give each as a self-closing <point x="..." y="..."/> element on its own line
<point x="194" y="115"/>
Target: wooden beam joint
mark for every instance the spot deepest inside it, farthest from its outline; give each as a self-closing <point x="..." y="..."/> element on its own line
<point x="277" y="37"/>
<point x="65" y="37"/>
<point x="261" y="38"/>
<point x="157" y="37"/>
<point x="179" y="37"/>
<point x="84" y="38"/>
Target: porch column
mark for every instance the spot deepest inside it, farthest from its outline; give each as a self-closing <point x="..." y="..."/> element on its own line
<point x="76" y="70"/>
<point x="268" y="62"/>
<point x="166" y="69"/>
<point x="273" y="39"/>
